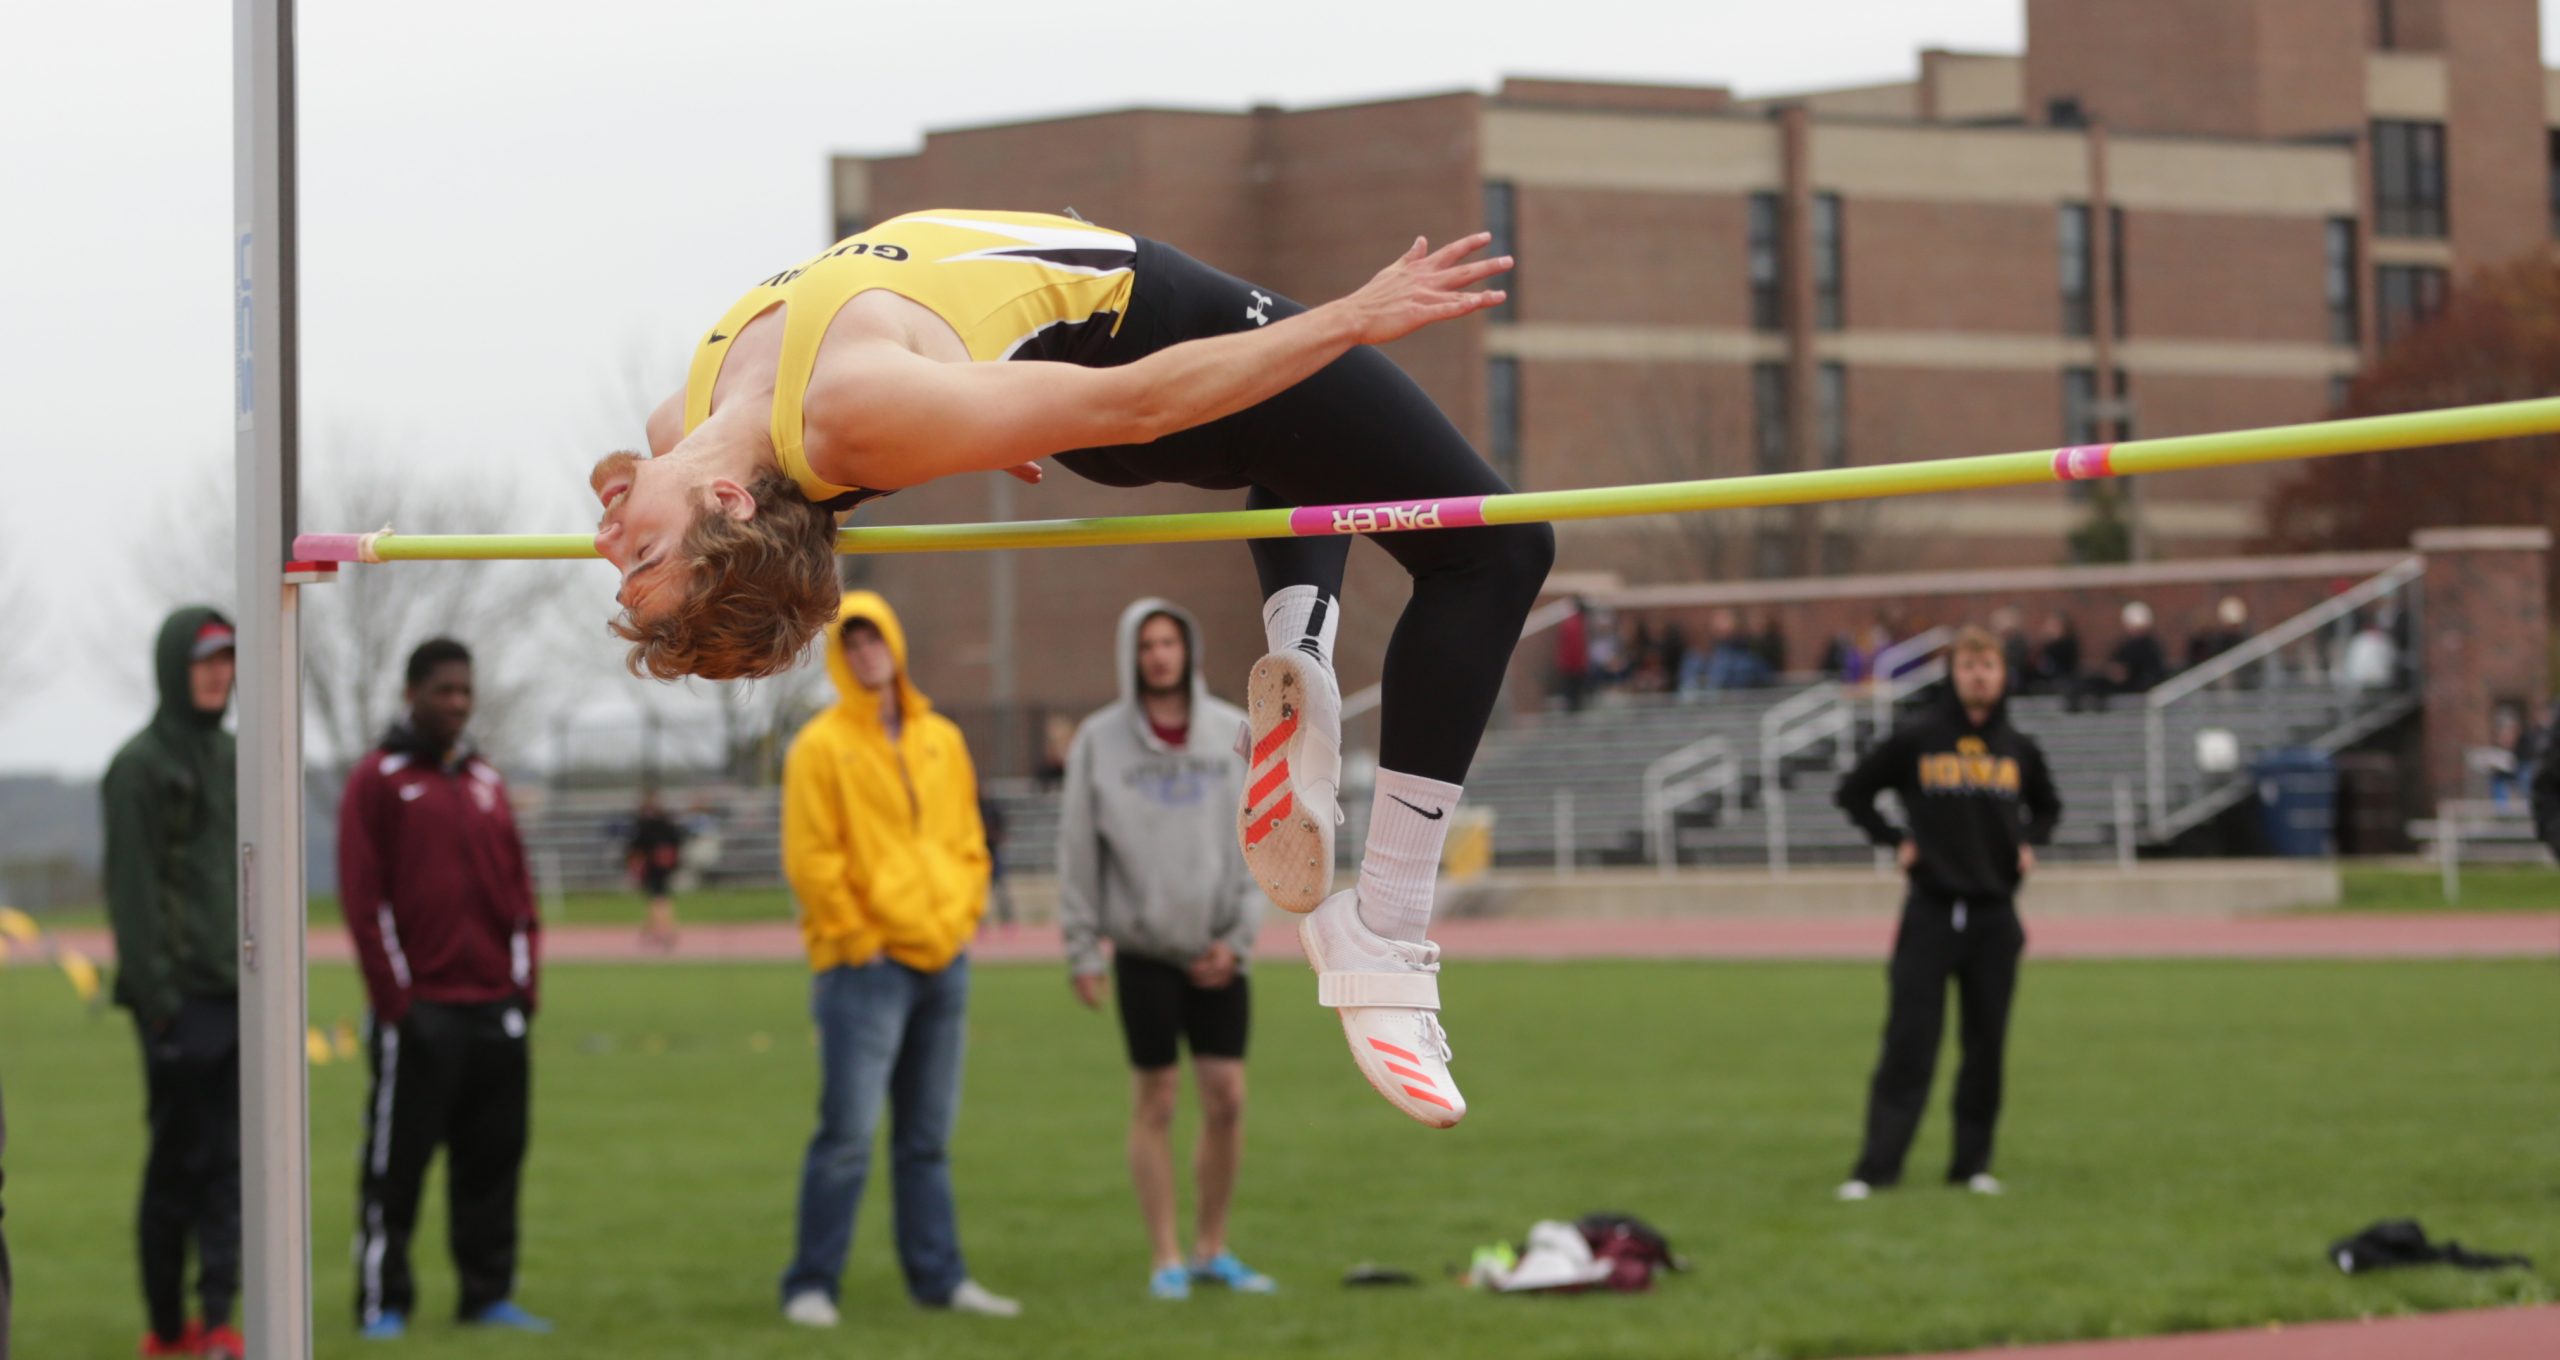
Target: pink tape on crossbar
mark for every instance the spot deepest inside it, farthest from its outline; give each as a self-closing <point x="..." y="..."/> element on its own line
<point x="330" y="547"/>
<point x="2083" y="462"/>
<point x="1465" y="512"/>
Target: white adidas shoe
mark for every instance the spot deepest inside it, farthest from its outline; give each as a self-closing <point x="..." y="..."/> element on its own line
<point x="1292" y="744"/>
<point x="809" y="1308"/>
<point x="1388" y="993"/>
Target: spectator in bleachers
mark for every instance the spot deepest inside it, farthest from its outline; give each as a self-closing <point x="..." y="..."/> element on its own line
<point x="1731" y="661"/>
<point x="1976" y="798"/>
<point x="1770" y="642"/>
<point x="2017" y="651"/>
<point x="2508" y="758"/>
<point x="1674" y="651"/>
<point x="2371" y="660"/>
<point x="1573" y="656"/>
<point x="1649" y="670"/>
<point x="1851" y="657"/>
<point x="1607" y="664"/>
<point x="2056" y="669"/>
<point x="2228" y="629"/>
<point x="2138" y="661"/>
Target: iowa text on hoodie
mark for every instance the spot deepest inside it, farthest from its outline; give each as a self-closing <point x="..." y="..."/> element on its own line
<point x="881" y="837"/>
<point x="432" y="882"/>
<point x="1147" y="854"/>
<point x="1970" y="794"/>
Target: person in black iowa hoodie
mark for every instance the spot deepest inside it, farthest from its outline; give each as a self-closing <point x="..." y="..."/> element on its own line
<point x="1977" y="797"/>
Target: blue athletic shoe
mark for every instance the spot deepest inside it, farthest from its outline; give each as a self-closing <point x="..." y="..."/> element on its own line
<point x="386" y="1326"/>
<point x="1225" y="1269"/>
<point x="1169" y="1283"/>
<point x="505" y="1313"/>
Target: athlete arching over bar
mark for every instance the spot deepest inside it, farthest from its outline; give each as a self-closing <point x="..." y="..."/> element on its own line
<point x="874" y="367"/>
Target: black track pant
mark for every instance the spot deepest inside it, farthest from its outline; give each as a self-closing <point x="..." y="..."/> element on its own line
<point x="455" y="1076"/>
<point x="191" y="1179"/>
<point x="1977" y="943"/>
<point x="4" y="1239"/>
<point x="1357" y="431"/>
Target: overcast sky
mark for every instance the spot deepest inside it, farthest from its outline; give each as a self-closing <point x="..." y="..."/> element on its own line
<point x="512" y="210"/>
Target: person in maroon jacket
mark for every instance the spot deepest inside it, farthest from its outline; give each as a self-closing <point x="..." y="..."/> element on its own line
<point x="431" y="876"/>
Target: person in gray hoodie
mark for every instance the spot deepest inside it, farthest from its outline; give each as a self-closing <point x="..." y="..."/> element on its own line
<point x="1148" y="860"/>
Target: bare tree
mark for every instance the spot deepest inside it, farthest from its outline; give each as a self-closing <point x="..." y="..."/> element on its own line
<point x="21" y="622"/>
<point x="357" y="631"/>
<point x="1664" y="436"/>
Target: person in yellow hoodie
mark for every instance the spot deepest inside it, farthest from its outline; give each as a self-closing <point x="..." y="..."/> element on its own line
<point x="883" y="846"/>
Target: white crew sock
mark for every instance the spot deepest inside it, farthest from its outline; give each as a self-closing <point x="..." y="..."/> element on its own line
<point x="1303" y="617"/>
<point x="1408" y="820"/>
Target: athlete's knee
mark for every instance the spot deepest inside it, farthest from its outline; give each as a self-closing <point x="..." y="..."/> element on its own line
<point x="1522" y="557"/>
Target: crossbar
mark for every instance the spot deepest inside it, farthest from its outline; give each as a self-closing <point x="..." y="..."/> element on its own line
<point x="2072" y="463"/>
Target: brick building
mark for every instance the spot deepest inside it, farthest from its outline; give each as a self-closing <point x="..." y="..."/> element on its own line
<point x="2168" y="216"/>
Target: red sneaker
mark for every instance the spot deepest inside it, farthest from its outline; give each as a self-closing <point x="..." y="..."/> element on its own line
<point x="189" y="1343"/>
<point x="225" y="1343"/>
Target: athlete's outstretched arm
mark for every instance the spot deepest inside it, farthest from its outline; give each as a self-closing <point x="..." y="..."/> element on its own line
<point x="897" y="419"/>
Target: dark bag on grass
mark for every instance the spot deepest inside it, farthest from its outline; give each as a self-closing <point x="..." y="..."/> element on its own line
<point x="2401" y="1242"/>
<point x="1633" y="1248"/>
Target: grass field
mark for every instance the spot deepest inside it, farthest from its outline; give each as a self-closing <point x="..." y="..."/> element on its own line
<point x="2182" y="1140"/>
<point x="2502" y="887"/>
<point x="2485" y="887"/>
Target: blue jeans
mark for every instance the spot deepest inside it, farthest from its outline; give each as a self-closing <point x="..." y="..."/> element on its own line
<point x="885" y="1033"/>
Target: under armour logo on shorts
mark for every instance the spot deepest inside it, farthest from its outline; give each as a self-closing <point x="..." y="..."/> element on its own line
<point x="1255" y="313"/>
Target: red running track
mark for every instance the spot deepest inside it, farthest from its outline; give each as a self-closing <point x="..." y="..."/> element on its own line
<point x="2531" y="1333"/>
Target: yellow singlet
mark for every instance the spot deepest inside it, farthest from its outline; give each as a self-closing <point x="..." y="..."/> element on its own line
<point x="1013" y="285"/>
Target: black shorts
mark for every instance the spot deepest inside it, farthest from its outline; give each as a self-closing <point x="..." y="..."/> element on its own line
<point x="1159" y="1007"/>
<point x="1357" y="431"/>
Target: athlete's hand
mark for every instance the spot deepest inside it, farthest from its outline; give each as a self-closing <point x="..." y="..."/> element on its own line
<point x="1024" y="472"/>
<point x="1088" y="989"/>
<point x="1425" y="286"/>
<point x="2026" y="860"/>
<point x="1907" y="854"/>
<point x="1215" y="968"/>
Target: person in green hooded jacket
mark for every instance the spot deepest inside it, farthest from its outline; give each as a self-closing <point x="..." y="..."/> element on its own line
<point x="173" y="894"/>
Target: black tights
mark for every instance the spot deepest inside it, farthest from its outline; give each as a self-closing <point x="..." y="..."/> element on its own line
<point x="1358" y="430"/>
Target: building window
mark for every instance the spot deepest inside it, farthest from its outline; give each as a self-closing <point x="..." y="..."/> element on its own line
<point x="1831" y="414"/>
<point x="2120" y="427"/>
<point x="2341" y="282"/>
<point x="2072" y="233"/>
<point x="2408" y="179"/>
<point x="2405" y="296"/>
<point x="1502" y="415"/>
<point x="2554" y="155"/>
<point x="1768" y="310"/>
<point x="848" y="224"/>
<point x="1827" y="310"/>
<point x="2386" y="27"/>
<point x="2341" y="390"/>
<point x="1769" y="416"/>
<point x="2116" y="271"/>
<point x="1501" y="220"/>
<point x="2079" y="406"/>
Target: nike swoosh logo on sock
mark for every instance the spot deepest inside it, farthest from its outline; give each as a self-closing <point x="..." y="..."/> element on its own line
<point x="1434" y="815"/>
